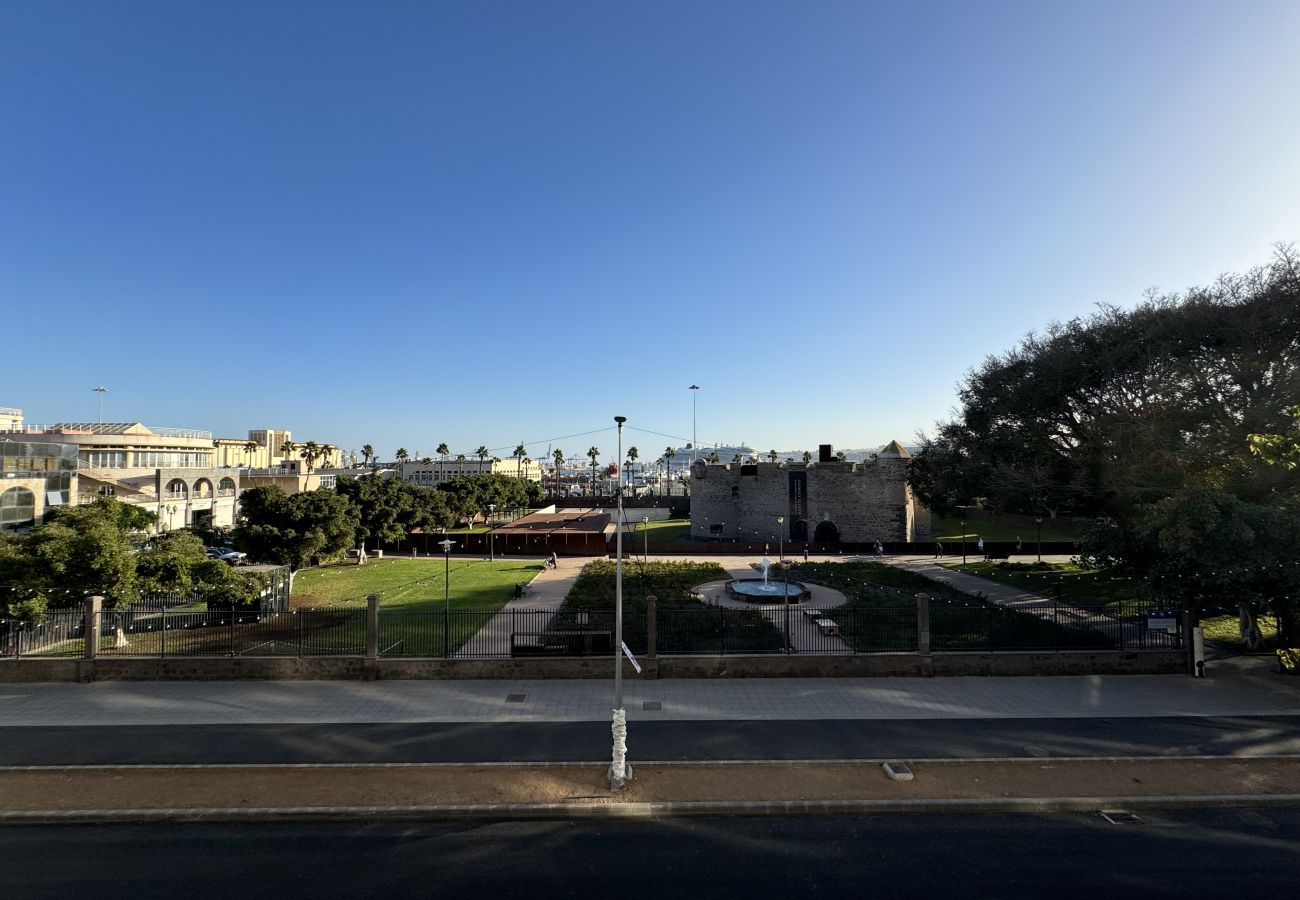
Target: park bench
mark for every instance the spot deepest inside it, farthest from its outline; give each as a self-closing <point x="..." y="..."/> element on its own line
<point x="992" y="555"/>
<point x="828" y="626"/>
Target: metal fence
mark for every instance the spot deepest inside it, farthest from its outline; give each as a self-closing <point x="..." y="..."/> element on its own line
<point x="496" y="634"/>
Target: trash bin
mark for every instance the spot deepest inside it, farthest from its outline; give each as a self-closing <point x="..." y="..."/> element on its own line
<point x="519" y="590"/>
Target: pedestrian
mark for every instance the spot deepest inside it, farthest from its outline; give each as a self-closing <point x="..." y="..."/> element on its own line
<point x="938" y="549"/>
<point x="979" y="545"/>
<point x="880" y="549"/>
<point x="805" y="554"/>
<point x="1017" y="543"/>
<point x="551" y="561"/>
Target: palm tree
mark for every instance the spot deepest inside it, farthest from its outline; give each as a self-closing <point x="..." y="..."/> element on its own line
<point x="519" y="455"/>
<point x="558" y="456"/>
<point x="593" y="453"/>
<point x="632" y="454"/>
<point x="714" y="458"/>
<point x="428" y="461"/>
<point x="310" y="452"/>
<point x="771" y="454"/>
<point x="286" y="449"/>
<point x="736" y="458"/>
<point x="669" y="453"/>
<point x="807" y="457"/>
<point x="482" y="454"/>
<point x="249" y="447"/>
<point x="367" y="454"/>
<point x="443" y="451"/>
<point x="402" y="455"/>
<point x="841" y="456"/>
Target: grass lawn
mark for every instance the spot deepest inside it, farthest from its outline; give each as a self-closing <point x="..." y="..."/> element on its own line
<point x="1112" y="589"/>
<point x="659" y="532"/>
<point x="948" y="528"/>
<point x="415" y="585"/>
<point x="1224" y="628"/>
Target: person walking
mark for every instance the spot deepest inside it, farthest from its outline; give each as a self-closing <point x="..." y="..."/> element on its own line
<point x="938" y="549"/>
<point x="979" y="545"/>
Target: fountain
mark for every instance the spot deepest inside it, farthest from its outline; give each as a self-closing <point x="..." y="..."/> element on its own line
<point x="756" y="591"/>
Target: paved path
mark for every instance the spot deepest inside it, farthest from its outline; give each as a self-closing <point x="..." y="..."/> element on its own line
<point x="1227" y="692"/>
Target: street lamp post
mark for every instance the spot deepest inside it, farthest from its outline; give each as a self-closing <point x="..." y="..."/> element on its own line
<point x="780" y="539"/>
<point x="963" y="542"/>
<point x="785" y="571"/>
<point x="695" y="388"/>
<point x="101" y="390"/>
<point x="446" y="544"/>
<point x="618" y="769"/>
<point x="492" y="535"/>
<point x="645" y="535"/>
<point x="1038" y="526"/>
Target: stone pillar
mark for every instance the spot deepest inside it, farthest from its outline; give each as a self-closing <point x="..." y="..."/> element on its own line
<point x="923" y="624"/>
<point x="93" y="609"/>
<point x="371" y="664"/>
<point x="651" y="636"/>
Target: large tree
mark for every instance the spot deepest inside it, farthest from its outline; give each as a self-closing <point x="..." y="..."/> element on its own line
<point x="291" y="530"/>
<point x="389" y="508"/>
<point x="1158" y="422"/>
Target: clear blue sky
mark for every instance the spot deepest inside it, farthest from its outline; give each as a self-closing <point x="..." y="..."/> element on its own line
<point x="406" y="223"/>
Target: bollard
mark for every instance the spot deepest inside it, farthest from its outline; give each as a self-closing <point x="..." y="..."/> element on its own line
<point x="92" y="615"/>
<point x="372" y="626"/>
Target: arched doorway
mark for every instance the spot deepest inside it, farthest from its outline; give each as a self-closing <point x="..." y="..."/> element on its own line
<point x="799" y="530"/>
<point x="826" y="533"/>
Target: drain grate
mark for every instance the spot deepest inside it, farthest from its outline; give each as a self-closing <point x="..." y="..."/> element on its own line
<point x="651" y="705"/>
<point x="516" y="698"/>
<point x="1119" y="817"/>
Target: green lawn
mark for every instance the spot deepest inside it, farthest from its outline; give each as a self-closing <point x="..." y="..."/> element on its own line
<point x="659" y="532"/>
<point x="1225" y="628"/>
<point x="416" y="585"/>
<point x="948" y="528"/>
<point x="1111" y="588"/>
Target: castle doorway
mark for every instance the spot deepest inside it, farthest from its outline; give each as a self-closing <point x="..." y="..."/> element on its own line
<point x="826" y="533"/>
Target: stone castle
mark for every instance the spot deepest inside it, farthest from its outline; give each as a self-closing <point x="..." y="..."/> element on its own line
<point x="825" y="502"/>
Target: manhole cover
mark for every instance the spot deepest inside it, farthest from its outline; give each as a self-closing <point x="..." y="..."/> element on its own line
<point x="1119" y="817"/>
<point x="516" y="698"/>
<point x="652" y="705"/>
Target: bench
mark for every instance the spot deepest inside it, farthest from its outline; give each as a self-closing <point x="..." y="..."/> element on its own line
<point x="828" y="627"/>
<point x="992" y="555"/>
<point x="813" y="613"/>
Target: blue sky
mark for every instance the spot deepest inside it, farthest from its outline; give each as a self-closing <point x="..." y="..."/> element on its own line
<point x="480" y="223"/>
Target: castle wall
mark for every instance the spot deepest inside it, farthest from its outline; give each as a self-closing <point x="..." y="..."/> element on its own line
<point x="865" y="501"/>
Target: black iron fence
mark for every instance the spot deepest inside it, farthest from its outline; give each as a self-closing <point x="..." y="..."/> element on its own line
<point x="854" y="628"/>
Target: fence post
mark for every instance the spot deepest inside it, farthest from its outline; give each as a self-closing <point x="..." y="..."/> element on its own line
<point x="162" y="634"/>
<point x="93" y="609"/>
<point x="372" y="626"/>
<point x="651" y="636"/>
<point x="923" y="624"/>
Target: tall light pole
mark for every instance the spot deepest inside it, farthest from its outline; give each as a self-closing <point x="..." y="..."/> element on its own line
<point x="1038" y="525"/>
<point x="645" y="535"/>
<point x="445" y="544"/>
<point x="963" y="542"/>
<point x="695" y="389"/>
<point x="780" y="537"/>
<point x="785" y="569"/>
<point x="492" y="535"/>
<point x="101" y="390"/>
<point x="618" y="770"/>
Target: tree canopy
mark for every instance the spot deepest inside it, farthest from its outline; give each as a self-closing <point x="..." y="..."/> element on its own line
<point x="1171" y="424"/>
<point x="388" y="508"/>
<point x="290" y="530"/>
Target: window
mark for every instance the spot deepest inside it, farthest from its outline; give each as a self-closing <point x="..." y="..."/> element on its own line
<point x="226" y="487"/>
<point x="176" y="490"/>
<point x="17" y="506"/>
<point x="203" y="488"/>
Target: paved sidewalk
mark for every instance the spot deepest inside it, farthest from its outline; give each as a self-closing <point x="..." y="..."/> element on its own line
<point x="1227" y="692"/>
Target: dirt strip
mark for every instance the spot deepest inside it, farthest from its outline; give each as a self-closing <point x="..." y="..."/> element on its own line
<point x="270" y="786"/>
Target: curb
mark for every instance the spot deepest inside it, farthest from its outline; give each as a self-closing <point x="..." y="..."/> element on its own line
<point x="644" y="810"/>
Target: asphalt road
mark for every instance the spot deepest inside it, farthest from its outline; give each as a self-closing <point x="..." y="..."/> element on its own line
<point x="584" y="741"/>
<point x="1231" y="852"/>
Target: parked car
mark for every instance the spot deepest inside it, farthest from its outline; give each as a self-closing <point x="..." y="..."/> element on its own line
<point x="229" y="554"/>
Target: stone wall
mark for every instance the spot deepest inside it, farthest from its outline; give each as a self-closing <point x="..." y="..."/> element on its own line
<point x="358" y="668"/>
<point x="862" y="501"/>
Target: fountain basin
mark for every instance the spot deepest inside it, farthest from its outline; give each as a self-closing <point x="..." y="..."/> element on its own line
<point x="754" y="590"/>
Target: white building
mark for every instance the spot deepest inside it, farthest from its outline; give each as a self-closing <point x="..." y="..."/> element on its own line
<point x="440" y="471"/>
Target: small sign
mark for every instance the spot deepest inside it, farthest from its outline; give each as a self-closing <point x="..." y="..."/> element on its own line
<point x="1162" y="620"/>
<point x="631" y="658"/>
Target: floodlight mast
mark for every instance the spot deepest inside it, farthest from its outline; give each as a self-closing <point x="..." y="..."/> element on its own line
<point x="619" y="771"/>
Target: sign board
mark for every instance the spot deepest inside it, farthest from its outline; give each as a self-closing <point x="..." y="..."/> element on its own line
<point x="1162" y="620"/>
<point x="631" y="658"/>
